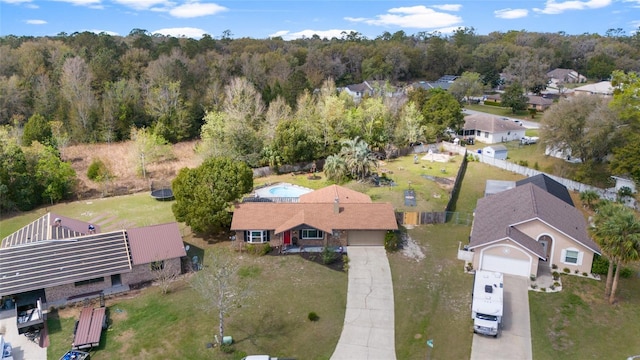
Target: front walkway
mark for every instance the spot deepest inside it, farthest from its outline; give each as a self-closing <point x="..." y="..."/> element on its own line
<point x="369" y="329"/>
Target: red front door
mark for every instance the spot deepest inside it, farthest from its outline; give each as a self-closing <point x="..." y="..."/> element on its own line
<point x="287" y="238"/>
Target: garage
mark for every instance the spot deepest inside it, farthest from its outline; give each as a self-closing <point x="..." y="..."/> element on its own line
<point x="366" y="238"/>
<point x="506" y="265"/>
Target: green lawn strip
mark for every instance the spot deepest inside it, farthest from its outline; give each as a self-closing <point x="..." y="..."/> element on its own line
<point x="502" y="111"/>
<point x="433" y="296"/>
<point x="578" y="323"/>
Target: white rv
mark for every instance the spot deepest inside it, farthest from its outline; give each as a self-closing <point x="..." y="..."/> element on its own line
<point x="486" y="308"/>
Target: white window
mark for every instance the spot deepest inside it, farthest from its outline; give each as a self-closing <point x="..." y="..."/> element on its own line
<point x="572" y="256"/>
<point x="256" y="236"/>
<point x="311" y="234"/>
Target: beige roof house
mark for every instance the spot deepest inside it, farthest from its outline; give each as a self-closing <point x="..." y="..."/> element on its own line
<point x="490" y="129"/>
<point x="603" y="88"/>
<point x="521" y="230"/>
<point x="333" y="215"/>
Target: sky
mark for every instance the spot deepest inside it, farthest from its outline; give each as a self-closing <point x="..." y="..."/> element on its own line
<point x="291" y="19"/>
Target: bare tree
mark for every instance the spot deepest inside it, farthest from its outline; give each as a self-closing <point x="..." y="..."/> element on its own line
<point x="165" y="273"/>
<point x="76" y="88"/>
<point x="220" y="285"/>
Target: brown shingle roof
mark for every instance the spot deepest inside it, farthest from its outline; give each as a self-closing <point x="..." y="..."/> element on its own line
<point x="330" y="193"/>
<point x="283" y="216"/>
<point x="155" y="243"/>
<point x="496" y="214"/>
<point x="489" y="123"/>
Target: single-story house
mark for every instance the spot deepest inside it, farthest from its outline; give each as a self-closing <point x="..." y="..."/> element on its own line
<point x="565" y="76"/>
<point x="538" y="103"/>
<point x="603" y="88"/>
<point x="331" y="216"/>
<point x="443" y="83"/>
<point x="495" y="151"/>
<point x="490" y="129"/>
<point x="523" y="229"/>
<point x="59" y="259"/>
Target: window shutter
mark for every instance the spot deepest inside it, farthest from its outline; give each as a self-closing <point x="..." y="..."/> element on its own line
<point x="580" y="254"/>
<point x="246" y="235"/>
<point x="563" y="256"/>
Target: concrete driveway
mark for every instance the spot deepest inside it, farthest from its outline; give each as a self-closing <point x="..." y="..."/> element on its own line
<point x="515" y="340"/>
<point x="23" y="348"/>
<point x="369" y="329"/>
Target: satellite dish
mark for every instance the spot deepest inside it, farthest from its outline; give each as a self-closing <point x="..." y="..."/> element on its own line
<point x="187" y="247"/>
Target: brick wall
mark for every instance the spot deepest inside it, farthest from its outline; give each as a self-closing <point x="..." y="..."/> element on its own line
<point x="143" y="273"/>
<point x="63" y="292"/>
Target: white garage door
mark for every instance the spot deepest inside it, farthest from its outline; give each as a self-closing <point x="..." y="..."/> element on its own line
<point x="505" y="265"/>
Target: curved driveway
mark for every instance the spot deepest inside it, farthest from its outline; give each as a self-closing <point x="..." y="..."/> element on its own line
<point x="369" y="329"/>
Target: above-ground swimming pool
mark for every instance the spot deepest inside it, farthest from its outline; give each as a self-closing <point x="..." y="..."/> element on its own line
<point x="282" y="190"/>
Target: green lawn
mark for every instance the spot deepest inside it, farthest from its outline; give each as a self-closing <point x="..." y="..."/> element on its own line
<point x="503" y="111"/>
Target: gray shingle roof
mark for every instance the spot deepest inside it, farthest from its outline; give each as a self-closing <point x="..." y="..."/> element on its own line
<point x="50" y="263"/>
<point x="497" y="214"/>
<point x="549" y="185"/>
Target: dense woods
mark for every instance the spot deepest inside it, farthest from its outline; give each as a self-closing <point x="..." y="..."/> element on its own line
<point x="270" y="101"/>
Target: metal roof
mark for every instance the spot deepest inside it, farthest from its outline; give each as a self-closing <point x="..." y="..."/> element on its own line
<point x="47" y="227"/>
<point x="48" y="263"/>
<point x="155" y="243"/>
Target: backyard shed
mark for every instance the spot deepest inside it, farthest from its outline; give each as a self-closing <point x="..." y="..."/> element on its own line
<point x="496" y="151"/>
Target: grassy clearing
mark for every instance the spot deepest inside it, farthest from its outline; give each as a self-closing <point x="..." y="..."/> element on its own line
<point x="578" y="323"/>
<point x="501" y="111"/>
<point x="432" y="296"/>
<point x="272" y="319"/>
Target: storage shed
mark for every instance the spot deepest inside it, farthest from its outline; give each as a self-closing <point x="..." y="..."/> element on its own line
<point x="495" y="151"/>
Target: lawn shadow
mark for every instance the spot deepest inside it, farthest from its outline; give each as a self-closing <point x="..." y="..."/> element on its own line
<point x="53" y="322"/>
<point x="268" y="326"/>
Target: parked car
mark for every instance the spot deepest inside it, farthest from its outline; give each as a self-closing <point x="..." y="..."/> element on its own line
<point x="517" y="122"/>
<point x="529" y="140"/>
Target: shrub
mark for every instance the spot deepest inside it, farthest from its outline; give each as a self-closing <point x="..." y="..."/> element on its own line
<point x="345" y="263"/>
<point x="313" y="316"/>
<point x="97" y="171"/>
<point x="227" y="348"/>
<point x="552" y="287"/>
<point x="566" y="270"/>
<point x="554" y="266"/>
<point x="532" y="277"/>
<point x="626" y="273"/>
<point x="391" y="241"/>
<point x="543" y="289"/>
<point x="556" y="284"/>
<point x="556" y="275"/>
<point x="536" y="166"/>
<point x="524" y="163"/>
<point x="534" y="286"/>
<point x="585" y="274"/>
<point x="258" y="249"/>
<point x="328" y="256"/>
<point x="576" y="271"/>
<point x="600" y="265"/>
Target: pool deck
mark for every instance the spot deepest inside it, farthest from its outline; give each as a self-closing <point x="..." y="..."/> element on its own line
<point x="264" y="192"/>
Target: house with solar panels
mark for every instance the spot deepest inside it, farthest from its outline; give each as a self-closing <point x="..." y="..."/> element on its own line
<point x="57" y="260"/>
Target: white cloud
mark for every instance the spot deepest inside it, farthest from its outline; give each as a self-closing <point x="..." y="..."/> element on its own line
<point x="196" y="9"/>
<point x="635" y="25"/>
<point x="35" y="22"/>
<point x="144" y="4"/>
<point x="89" y="3"/>
<point x="181" y="32"/>
<point x="287" y="35"/>
<point x="511" y="13"/>
<point x="418" y="17"/>
<point x="553" y="7"/>
<point x="448" y="7"/>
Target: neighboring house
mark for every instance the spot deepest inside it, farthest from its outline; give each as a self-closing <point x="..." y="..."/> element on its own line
<point x="603" y="88"/>
<point x="58" y="259"/>
<point x="490" y="129"/>
<point x="331" y="216"/>
<point x="538" y="103"/>
<point x="565" y="76"/>
<point x="358" y="91"/>
<point x="443" y="83"/>
<point x="496" y="152"/>
<point x="372" y="88"/>
<point x="525" y="229"/>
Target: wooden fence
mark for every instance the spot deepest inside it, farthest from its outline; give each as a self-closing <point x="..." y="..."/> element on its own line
<point x="433" y="217"/>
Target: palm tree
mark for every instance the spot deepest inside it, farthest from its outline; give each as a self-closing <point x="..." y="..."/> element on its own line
<point x="358" y="158"/>
<point x="589" y="197"/>
<point x="335" y="168"/>
<point x="617" y="229"/>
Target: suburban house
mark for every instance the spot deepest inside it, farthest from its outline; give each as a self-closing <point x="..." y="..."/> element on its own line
<point x="603" y="88"/>
<point x="565" y="76"/>
<point x="527" y="229"/>
<point x="541" y="180"/>
<point x="59" y="259"/>
<point x="495" y="151"/>
<point x="442" y="83"/>
<point x="372" y="88"/>
<point x="538" y="103"/>
<point x="490" y="129"/>
<point x="331" y="216"/>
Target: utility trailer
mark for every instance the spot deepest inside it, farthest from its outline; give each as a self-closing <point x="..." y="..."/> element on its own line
<point x="29" y="317"/>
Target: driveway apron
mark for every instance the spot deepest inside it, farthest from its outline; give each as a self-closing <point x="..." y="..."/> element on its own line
<point x="369" y="329"/>
<point x="515" y="340"/>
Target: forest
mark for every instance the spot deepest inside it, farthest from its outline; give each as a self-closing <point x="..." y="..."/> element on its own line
<point x="262" y="101"/>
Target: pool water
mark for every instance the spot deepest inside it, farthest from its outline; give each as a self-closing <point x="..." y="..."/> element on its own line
<point x="282" y="190"/>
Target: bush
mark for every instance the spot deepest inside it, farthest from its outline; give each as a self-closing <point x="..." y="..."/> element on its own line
<point x="534" y="286"/>
<point x="227" y="348"/>
<point x="543" y="289"/>
<point x="524" y="163"/>
<point x="536" y="166"/>
<point x="345" y="263"/>
<point x="391" y="241"/>
<point x="532" y="277"/>
<point x="556" y="275"/>
<point x="258" y="249"/>
<point x="556" y="284"/>
<point x="585" y="274"/>
<point x="566" y="270"/>
<point x="313" y="316"/>
<point x="554" y="266"/>
<point x="576" y="271"/>
<point x="626" y="273"/>
<point x="600" y="265"/>
<point x="97" y="171"/>
<point x="328" y="256"/>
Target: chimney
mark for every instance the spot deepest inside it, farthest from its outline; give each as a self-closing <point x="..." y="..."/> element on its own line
<point x="336" y="205"/>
